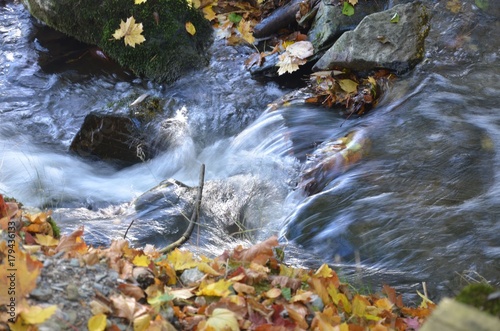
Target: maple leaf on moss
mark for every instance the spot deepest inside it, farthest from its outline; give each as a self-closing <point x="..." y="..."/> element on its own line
<point x="131" y="31"/>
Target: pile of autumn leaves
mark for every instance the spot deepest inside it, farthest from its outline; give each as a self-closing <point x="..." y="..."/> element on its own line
<point x="246" y="289"/>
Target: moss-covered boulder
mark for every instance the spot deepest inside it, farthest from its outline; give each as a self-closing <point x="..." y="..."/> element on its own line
<point x="168" y="51"/>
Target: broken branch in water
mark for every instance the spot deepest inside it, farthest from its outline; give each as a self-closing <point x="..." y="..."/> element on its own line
<point x="194" y="216"/>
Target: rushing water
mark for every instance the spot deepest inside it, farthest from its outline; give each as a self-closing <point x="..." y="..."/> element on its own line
<point x="424" y="205"/>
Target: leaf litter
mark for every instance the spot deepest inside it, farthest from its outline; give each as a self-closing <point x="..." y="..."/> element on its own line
<point x="247" y="288"/>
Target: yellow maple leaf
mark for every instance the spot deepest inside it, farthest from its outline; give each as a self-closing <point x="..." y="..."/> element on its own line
<point x="131" y="31"/>
<point x="245" y="29"/>
<point x="209" y="13"/>
<point x="141" y="261"/>
<point x="138" y="2"/>
<point x="97" y="322"/>
<point x="190" y="28"/>
<point x="181" y="259"/>
<point x="37" y="314"/>
<point x="218" y="289"/>
<point x="324" y="271"/>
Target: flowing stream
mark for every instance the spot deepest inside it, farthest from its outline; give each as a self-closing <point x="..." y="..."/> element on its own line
<point x="423" y="206"/>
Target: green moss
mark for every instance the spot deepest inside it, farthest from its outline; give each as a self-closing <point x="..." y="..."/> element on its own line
<point x="55" y="228"/>
<point x="476" y="295"/>
<point x="147" y="110"/>
<point x="169" y="50"/>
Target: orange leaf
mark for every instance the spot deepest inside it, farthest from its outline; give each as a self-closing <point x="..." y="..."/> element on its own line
<point x="130" y="290"/>
<point x="72" y="242"/>
<point x="257" y="252"/>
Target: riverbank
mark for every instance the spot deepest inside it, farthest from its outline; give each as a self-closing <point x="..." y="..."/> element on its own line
<point x="54" y="282"/>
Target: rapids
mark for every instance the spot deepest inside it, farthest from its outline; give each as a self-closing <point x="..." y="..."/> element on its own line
<point x="423" y="206"/>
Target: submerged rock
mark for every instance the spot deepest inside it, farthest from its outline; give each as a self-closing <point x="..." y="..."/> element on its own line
<point x="168" y="51"/>
<point x="113" y="138"/>
<point x="392" y="39"/>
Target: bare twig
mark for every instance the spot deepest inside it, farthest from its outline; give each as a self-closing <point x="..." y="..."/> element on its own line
<point x="125" y="235"/>
<point x="194" y="216"/>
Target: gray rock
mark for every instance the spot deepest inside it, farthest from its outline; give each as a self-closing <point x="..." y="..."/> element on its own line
<point x="379" y="43"/>
<point x="330" y="23"/>
<point x="191" y="276"/>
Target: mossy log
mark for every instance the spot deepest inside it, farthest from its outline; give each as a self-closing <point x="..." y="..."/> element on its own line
<point x="169" y="50"/>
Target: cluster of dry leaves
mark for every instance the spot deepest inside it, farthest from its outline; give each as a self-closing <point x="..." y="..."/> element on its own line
<point x="246" y="289"/>
<point x="356" y="94"/>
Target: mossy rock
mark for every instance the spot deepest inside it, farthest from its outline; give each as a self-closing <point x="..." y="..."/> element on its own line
<point x="169" y="50"/>
<point x="481" y="296"/>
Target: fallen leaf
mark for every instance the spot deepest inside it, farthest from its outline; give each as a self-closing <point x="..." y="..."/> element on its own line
<point x="301" y="49"/>
<point x="190" y="28"/>
<point x="142" y="323"/>
<point x="352" y="2"/>
<point x="131" y="290"/>
<point x="348" y="9"/>
<point x="264" y="248"/>
<point x="46" y="240"/>
<point x="141" y="261"/>
<point x="348" y="85"/>
<point x="182" y="259"/>
<point x="241" y="288"/>
<point x="97" y="322"/>
<point x="245" y="29"/>
<point x="209" y="13"/>
<point x="138" y="2"/>
<point x="221" y="319"/>
<point x="37" y="314"/>
<point x="126" y="307"/>
<point x="131" y="31"/>
<point x="72" y="242"/>
<point x="219" y="288"/>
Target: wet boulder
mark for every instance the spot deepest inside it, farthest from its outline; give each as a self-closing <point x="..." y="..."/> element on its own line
<point x="329" y="22"/>
<point x="117" y="139"/>
<point x="392" y="39"/>
<point x="168" y="49"/>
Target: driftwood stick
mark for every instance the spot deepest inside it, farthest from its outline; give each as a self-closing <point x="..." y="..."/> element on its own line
<point x="194" y="217"/>
<point x="279" y="19"/>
